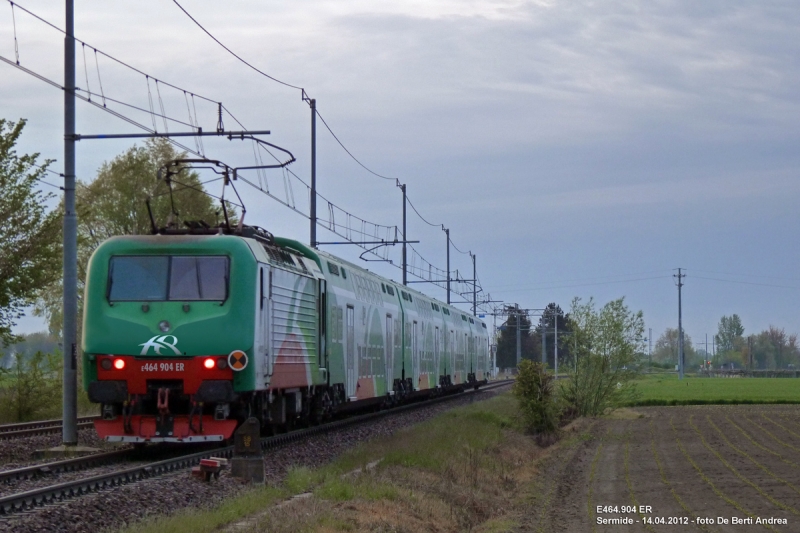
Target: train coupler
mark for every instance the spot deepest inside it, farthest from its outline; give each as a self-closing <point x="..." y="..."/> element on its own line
<point x="165" y="421"/>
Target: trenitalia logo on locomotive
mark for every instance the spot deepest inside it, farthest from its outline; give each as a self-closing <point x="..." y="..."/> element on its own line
<point x="158" y="342"/>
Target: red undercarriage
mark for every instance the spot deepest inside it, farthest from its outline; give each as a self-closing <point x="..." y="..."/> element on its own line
<point x="143" y="428"/>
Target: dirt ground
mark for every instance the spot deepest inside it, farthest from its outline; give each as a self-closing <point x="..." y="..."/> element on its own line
<point x="709" y="468"/>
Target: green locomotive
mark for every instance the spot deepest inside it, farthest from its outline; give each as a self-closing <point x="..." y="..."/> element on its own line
<point x="187" y="333"/>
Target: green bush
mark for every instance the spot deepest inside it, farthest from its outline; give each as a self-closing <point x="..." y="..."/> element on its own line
<point x="535" y="392"/>
<point x="598" y="384"/>
<point x="32" y="388"/>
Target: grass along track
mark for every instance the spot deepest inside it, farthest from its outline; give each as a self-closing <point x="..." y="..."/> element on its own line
<point x="441" y="476"/>
<point x="40" y="496"/>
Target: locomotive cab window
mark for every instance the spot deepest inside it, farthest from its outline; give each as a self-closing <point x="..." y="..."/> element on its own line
<point x="162" y="278"/>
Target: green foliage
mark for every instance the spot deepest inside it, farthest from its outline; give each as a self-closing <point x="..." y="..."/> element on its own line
<point x="535" y="392"/>
<point x="730" y="341"/>
<point x="606" y="344"/>
<point x="553" y="317"/>
<point x="29" y="235"/>
<point x="507" y="343"/>
<point x="669" y="390"/>
<point x="32" y="388"/>
<point x="667" y="348"/>
<point x="774" y="349"/>
<point x="208" y="520"/>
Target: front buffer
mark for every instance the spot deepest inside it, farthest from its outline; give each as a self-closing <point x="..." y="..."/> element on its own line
<point x="164" y="400"/>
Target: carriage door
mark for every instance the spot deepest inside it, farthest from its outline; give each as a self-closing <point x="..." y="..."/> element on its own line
<point x="437" y="368"/>
<point x="451" y="356"/>
<point x="351" y="355"/>
<point x="389" y="361"/>
<point x="264" y="307"/>
<point x="415" y="354"/>
<point x="322" y="313"/>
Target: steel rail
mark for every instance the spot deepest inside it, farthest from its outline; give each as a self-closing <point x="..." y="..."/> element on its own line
<point x="28" y="500"/>
<point x="66" y="465"/>
<point x="40" y="427"/>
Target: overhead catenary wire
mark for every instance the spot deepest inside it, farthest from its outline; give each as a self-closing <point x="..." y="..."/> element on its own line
<point x="112" y="58"/>
<point x="374" y="229"/>
<point x="234" y="54"/>
<point x="303" y="95"/>
<point x="748" y="283"/>
<point x="580" y="285"/>
<point x="350" y="153"/>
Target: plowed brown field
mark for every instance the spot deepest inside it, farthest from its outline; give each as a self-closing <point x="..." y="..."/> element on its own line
<point x="709" y="468"/>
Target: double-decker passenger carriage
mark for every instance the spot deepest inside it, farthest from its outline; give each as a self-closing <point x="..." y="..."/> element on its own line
<point x="187" y="333"/>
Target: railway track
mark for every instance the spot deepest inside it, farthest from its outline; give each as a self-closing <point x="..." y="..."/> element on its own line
<point x="32" y="499"/>
<point x="41" y="427"/>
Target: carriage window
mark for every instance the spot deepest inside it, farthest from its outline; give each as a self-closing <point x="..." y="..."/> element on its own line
<point x="138" y="278"/>
<point x="160" y="278"/>
<point x="198" y="278"/>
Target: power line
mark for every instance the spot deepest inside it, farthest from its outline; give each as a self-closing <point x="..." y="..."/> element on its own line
<point x="581" y="285"/>
<point x="316" y="111"/>
<point x="350" y="154"/>
<point x="588" y="279"/>
<point x="749" y="283"/>
<point x="746" y="275"/>
<point x="112" y="58"/>
<point x="234" y="54"/>
<point x="331" y="224"/>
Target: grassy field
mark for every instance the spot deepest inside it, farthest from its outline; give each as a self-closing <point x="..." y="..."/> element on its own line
<point x="468" y="469"/>
<point x="667" y="389"/>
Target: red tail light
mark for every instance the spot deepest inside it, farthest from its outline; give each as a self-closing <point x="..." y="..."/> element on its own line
<point x="209" y="363"/>
<point x="119" y="364"/>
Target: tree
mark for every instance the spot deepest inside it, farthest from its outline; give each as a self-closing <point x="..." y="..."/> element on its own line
<point x="667" y="349"/>
<point x="553" y="317"/>
<point x="507" y="343"/>
<point x="730" y="340"/>
<point x="606" y="343"/>
<point x="115" y="204"/>
<point x="773" y="349"/>
<point x="535" y="392"/>
<point x="33" y="388"/>
<point x="29" y="234"/>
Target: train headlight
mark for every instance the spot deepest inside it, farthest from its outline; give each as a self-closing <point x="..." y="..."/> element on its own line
<point x="163" y="326"/>
<point x="105" y="364"/>
<point x="119" y="364"/>
<point x="209" y="363"/>
<point x="222" y="364"/>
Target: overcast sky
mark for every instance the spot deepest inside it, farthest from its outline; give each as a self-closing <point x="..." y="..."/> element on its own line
<point x="577" y="148"/>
